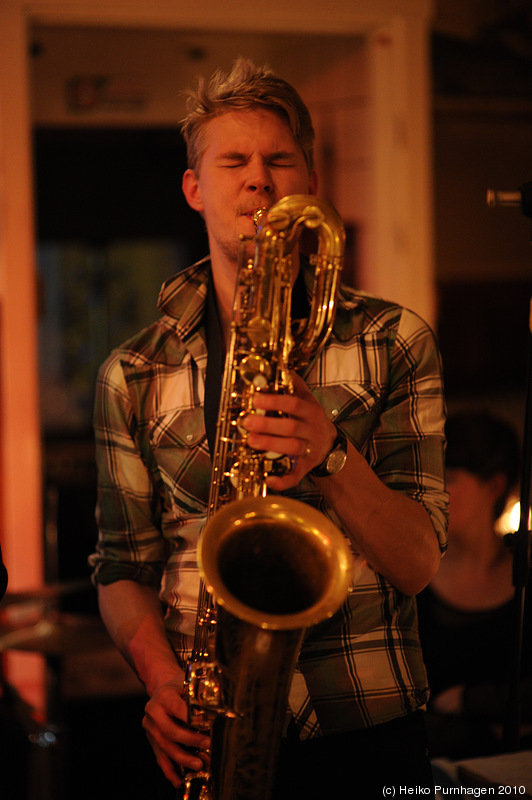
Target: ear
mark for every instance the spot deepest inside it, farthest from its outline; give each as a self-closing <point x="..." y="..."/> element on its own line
<point x="192" y="191"/>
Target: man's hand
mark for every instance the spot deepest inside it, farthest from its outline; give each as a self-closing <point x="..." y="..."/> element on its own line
<point x="304" y="433"/>
<point x="176" y="746"/>
<point x="392" y="531"/>
<point x="133" y="616"/>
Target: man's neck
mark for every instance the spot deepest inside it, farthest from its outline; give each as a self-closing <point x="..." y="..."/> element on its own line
<point x="225" y="274"/>
<point x="224" y="287"/>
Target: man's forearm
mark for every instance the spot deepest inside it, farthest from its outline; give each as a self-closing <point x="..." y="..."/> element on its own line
<point x="133" y="617"/>
<point x="393" y="532"/>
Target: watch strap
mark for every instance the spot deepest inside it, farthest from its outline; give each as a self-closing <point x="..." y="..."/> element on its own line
<point x="327" y="467"/>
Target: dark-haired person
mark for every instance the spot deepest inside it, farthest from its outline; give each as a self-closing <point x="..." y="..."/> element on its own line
<point x="466" y="614"/>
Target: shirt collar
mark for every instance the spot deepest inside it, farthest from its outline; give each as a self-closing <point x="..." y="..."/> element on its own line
<point x="183" y="297"/>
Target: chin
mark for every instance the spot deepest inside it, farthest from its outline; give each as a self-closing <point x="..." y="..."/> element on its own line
<point x="247" y="250"/>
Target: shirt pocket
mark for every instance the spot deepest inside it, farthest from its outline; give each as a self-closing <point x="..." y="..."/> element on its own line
<point x="181" y="460"/>
<point x="355" y="407"/>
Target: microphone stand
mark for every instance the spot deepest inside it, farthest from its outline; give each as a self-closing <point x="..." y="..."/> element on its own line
<point x="521" y="539"/>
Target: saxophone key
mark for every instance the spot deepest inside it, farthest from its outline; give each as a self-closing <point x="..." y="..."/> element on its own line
<point x="255" y="370"/>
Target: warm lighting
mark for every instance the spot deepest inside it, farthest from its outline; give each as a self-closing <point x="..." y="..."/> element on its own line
<point x="509" y="520"/>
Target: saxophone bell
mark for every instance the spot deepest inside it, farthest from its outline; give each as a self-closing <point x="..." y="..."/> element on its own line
<point x="275" y="566"/>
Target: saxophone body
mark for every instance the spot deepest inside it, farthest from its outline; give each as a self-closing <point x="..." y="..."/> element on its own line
<point x="270" y="566"/>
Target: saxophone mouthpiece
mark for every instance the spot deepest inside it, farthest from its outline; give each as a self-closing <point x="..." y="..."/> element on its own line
<point x="258" y="216"/>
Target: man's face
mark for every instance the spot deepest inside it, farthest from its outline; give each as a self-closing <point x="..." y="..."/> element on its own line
<point x="250" y="161"/>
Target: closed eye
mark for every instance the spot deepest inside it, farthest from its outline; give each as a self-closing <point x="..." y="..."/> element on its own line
<point x="278" y="160"/>
<point x="232" y="159"/>
<point x="281" y="159"/>
<point x="280" y="164"/>
<point x="231" y="164"/>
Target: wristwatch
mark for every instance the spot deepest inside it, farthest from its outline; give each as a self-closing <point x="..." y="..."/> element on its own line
<point x="335" y="458"/>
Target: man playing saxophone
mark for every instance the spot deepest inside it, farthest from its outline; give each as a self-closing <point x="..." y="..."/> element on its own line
<point x="363" y="429"/>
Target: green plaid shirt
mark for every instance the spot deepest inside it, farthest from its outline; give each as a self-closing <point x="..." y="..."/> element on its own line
<point x="379" y="378"/>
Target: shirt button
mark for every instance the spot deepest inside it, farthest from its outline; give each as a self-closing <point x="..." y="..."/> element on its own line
<point x="334" y="412"/>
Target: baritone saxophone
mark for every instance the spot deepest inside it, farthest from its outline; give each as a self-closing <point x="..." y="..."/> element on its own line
<point x="270" y="566"/>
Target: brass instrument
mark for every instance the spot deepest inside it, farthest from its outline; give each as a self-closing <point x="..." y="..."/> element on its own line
<point x="271" y="566"/>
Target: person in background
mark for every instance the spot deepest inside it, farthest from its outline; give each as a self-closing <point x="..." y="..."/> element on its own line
<point x="364" y="429"/>
<point x="466" y="614"/>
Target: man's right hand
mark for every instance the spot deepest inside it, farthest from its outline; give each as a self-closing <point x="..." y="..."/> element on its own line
<point x="175" y="744"/>
<point x="132" y="613"/>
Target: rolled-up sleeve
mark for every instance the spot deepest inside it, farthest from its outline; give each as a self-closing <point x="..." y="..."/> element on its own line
<point x="130" y="544"/>
<point x="409" y="440"/>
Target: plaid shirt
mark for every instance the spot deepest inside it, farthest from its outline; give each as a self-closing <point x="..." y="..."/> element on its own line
<point x="379" y="379"/>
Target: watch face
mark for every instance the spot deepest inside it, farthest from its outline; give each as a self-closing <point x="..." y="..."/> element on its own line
<point x="336" y="461"/>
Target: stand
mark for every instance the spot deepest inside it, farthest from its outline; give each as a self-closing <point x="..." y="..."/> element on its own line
<point x="521" y="539"/>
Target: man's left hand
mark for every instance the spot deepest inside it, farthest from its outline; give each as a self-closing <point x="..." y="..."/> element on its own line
<point x="302" y="431"/>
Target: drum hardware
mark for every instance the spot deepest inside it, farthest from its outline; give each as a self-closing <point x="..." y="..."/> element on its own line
<point x="46" y="594"/>
<point x="30" y="622"/>
<point x="55" y="634"/>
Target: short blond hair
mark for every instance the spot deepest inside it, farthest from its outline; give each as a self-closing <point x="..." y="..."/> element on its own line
<point x="245" y="87"/>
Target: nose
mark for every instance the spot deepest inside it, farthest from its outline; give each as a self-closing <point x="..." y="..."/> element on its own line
<point x="259" y="178"/>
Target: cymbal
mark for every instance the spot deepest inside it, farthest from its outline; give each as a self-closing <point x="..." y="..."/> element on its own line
<point x="46" y="593"/>
<point x="57" y="635"/>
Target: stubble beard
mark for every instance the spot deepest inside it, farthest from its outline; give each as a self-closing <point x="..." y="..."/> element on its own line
<point x="239" y="252"/>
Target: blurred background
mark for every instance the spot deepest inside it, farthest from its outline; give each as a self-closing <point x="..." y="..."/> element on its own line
<point x="420" y="107"/>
